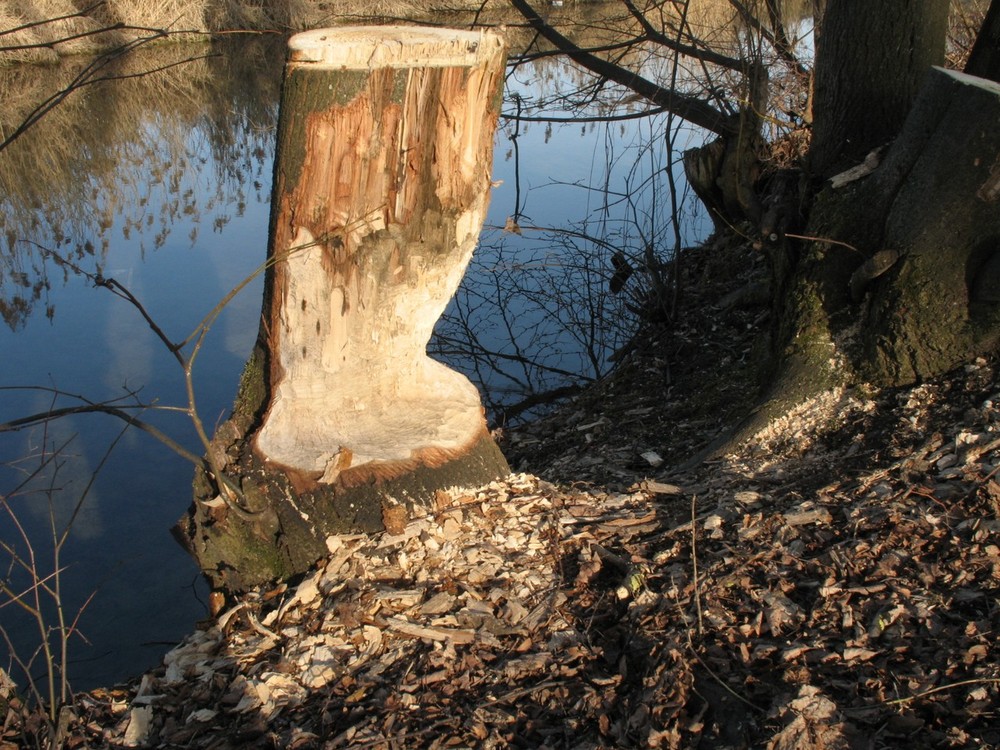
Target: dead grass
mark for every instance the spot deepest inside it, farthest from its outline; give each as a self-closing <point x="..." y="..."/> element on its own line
<point x="45" y="30"/>
<point x="24" y="26"/>
<point x="28" y="33"/>
<point x="172" y="15"/>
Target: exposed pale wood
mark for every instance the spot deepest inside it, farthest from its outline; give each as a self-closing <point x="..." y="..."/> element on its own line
<point x="375" y="227"/>
<point x="660" y="488"/>
<point x="455" y="635"/>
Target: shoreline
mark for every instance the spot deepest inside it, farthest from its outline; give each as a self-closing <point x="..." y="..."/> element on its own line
<point x="44" y="32"/>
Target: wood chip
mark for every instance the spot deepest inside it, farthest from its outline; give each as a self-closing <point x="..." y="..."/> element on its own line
<point x="659" y="488"/>
<point x="456" y="635"/>
<point x="806" y="517"/>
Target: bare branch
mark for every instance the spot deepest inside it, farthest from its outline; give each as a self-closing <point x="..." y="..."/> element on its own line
<point x="692" y="109"/>
<point x="46" y="21"/>
<point x="704" y="54"/>
<point x="118" y="290"/>
<point x="524" y="57"/>
<point x="62" y="40"/>
<point x="598" y="118"/>
<point x="103" y="408"/>
<point x="774" y="36"/>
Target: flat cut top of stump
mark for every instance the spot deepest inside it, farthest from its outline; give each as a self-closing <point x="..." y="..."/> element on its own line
<point x="371" y="47"/>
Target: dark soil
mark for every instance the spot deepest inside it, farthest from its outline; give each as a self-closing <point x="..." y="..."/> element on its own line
<point x="681" y="387"/>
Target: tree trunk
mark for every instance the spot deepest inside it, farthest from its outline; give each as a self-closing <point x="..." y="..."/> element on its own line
<point x="382" y="180"/>
<point x="984" y="60"/>
<point x="870" y="63"/>
<point x="905" y="284"/>
<point x="937" y="306"/>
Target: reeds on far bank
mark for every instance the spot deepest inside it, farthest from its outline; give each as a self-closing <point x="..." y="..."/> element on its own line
<point x="41" y="31"/>
<point x="27" y="30"/>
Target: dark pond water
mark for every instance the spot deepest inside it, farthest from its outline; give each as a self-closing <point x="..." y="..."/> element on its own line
<point x="162" y="182"/>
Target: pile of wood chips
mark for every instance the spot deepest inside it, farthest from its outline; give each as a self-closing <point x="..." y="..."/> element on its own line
<point x="831" y="587"/>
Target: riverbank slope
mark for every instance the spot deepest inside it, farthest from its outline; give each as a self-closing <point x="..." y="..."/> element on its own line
<point x="832" y="583"/>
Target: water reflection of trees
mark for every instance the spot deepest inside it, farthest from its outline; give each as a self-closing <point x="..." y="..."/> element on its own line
<point x="552" y="304"/>
<point x="534" y="315"/>
<point x="116" y="155"/>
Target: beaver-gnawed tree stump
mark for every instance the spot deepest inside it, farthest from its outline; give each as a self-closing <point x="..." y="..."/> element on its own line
<point x="382" y="180"/>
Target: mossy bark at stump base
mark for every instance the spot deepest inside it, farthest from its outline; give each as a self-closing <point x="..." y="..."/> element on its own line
<point x="276" y="532"/>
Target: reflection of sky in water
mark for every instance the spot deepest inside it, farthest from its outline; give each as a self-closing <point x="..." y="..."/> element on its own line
<point x="181" y="232"/>
<point x="180" y="236"/>
<point x="606" y="183"/>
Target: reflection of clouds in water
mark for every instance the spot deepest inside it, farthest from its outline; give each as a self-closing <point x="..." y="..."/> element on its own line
<point x="236" y="329"/>
<point x="239" y="326"/>
<point x="58" y="487"/>
<point x="127" y="344"/>
<point x="245" y="248"/>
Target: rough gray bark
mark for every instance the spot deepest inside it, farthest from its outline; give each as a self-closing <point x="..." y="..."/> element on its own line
<point x="870" y="63"/>
<point x="937" y="307"/>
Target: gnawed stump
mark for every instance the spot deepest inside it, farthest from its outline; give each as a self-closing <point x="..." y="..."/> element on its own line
<point x="382" y="182"/>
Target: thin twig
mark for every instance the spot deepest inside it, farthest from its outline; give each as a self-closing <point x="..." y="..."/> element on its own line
<point x="694" y="566"/>
<point x="120" y="413"/>
<point x="822" y="239"/>
<point x="711" y="672"/>
<point x="61" y="40"/>
<point x="938" y="689"/>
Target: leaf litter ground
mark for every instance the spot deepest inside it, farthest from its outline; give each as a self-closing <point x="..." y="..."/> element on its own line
<point x="833" y="583"/>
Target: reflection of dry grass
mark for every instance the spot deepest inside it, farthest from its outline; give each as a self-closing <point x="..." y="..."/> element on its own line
<point x="178" y="17"/>
<point x="713" y="21"/>
<point x="43" y="166"/>
<point x="115" y="154"/>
